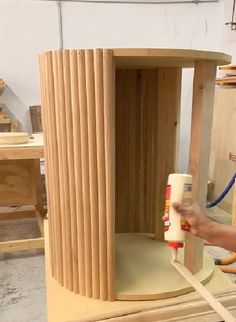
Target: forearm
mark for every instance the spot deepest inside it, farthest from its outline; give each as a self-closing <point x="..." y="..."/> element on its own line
<point x="220" y="235"/>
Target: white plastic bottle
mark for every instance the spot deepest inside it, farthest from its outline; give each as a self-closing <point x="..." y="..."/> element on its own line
<point x="179" y="189"/>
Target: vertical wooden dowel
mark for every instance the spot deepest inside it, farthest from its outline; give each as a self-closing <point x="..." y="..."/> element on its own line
<point x="48" y="159"/>
<point x="202" y="115"/>
<point x="93" y="184"/>
<point x="85" y="170"/>
<point x="71" y="170"/>
<point x="55" y="167"/>
<point x="98" y="72"/>
<point x="60" y="168"/>
<point x="109" y="129"/>
<point x="78" y="167"/>
<point x="167" y="119"/>
<point x="65" y="172"/>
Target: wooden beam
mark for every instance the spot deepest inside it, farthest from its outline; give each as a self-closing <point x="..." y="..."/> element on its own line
<point x="17" y="214"/>
<point x="21" y="153"/>
<point x="23" y="244"/>
<point x="202" y="114"/>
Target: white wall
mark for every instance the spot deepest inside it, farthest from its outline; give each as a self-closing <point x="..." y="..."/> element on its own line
<point x="30" y="27"/>
<point x="26" y="29"/>
<point x="228" y="41"/>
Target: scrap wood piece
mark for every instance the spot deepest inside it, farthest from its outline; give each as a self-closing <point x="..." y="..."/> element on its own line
<point x="212" y="301"/>
<point x="228" y="67"/>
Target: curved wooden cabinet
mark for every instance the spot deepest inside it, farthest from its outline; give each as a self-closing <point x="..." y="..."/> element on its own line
<point x="110" y="121"/>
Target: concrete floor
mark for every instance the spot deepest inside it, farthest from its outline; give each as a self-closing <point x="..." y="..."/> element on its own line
<point x="22" y="281"/>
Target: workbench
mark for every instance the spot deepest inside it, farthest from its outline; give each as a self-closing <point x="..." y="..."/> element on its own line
<point x="20" y="185"/>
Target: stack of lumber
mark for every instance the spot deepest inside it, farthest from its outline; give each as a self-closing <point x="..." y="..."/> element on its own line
<point x="229" y="78"/>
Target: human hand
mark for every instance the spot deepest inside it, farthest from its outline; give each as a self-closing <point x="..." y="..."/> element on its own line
<point x="196" y="218"/>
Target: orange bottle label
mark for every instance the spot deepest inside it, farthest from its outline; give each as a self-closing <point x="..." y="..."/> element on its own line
<point x="167" y="208"/>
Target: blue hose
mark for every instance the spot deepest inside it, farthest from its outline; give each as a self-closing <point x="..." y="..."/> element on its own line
<point x="223" y="194"/>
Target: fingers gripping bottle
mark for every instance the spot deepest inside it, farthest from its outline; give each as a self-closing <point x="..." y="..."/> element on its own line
<point x="179" y="189"/>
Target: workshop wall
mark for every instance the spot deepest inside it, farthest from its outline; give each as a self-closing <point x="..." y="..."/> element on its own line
<point x="30" y="27"/>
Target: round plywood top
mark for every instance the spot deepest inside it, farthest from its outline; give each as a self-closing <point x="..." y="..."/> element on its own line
<point x="13" y="137"/>
<point x="135" y="58"/>
<point x="144" y="271"/>
<point x="153" y="57"/>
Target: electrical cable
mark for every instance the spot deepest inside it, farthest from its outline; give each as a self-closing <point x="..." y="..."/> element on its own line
<point x="224" y="193"/>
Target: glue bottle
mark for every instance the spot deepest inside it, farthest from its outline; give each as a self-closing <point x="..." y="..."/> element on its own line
<point x="179" y="189"/>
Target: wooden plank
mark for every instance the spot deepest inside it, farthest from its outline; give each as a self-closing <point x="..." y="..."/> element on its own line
<point x="166" y="133"/>
<point x="17" y="214"/>
<point x="17" y="182"/>
<point x="23" y="244"/>
<point x="216" y="305"/>
<point x="36" y="119"/>
<point x="136" y="106"/>
<point x="202" y="114"/>
<point x="137" y="57"/>
<point x="125" y="100"/>
<point x="228" y="67"/>
<point x="5" y="121"/>
<point x="21" y="153"/>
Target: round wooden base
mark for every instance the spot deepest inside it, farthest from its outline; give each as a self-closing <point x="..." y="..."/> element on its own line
<point x="144" y="272"/>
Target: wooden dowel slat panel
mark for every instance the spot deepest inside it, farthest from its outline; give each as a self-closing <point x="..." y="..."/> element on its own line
<point x="79" y="121"/>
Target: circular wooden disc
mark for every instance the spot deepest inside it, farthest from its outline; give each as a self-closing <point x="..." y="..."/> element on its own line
<point x="13" y="137"/>
<point x="144" y="271"/>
